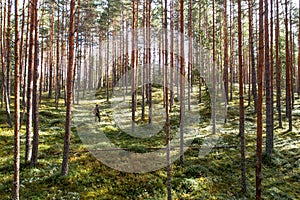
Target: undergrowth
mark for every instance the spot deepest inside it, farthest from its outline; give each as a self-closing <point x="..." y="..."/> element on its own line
<point x="214" y="176"/>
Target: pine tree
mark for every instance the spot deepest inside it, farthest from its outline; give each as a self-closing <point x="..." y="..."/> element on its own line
<point x="259" y="102"/>
<point x="17" y="108"/>
<point x="241" y="102"/>
<point x="278" y="67"/>
<point x="65" y="161"/>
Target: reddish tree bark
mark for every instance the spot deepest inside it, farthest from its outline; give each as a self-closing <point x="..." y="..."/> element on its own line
<point x="269" y="125"/>
<point x="259" y="102"/>
<point x="35" y="101"/>
<point x="65" y="161"/>
<point x="182" y="81"/>
<point x="288" y="67"/>
<point x="278" y="67"/>
<point x="241" y="102"/>
<point x="17" y="108"/>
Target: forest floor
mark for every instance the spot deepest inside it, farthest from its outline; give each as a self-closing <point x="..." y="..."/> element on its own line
<point x="214" y="176"/>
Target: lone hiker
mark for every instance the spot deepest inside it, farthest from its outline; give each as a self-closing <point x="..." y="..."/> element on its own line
<point x="97" y="112"/>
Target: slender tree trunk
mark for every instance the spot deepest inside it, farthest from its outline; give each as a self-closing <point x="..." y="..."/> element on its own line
<point x="172" y="55"/>
<point x="278" y="67"/>
<point x="182" y="80"/>
<point x="225" y="51"/>
<point x="200" y="55"/>
<point x="292" y="69"/>
<point x="288" y="66"/>
<point x="6" y="67"/>
<point x="17" y="109"/>
<point x="46" y="82"/>
<point x="8" y="53"/>
<point x="269" y="128"/>
<point x="51" y="52"/>
<point x="100" y="63"/>
<point x="58" y="62"/>
<point x="106" y="69"/>
<point x="254" y="87"/>
<point x="148" y="61"/>
<point x="41" y="63"/>
<point x="133" y="61"/>
<point x="259" y="102"/>
<point x="166" y="61"/>
<point x="65" y="161"/>
<point x="249" y="75"/>
<point x="35" y="100"/>
<point x="231" y="51"/>
<point x="91" y="63"/>
<point x="79" y="71"/>
<point x="25" y="85"/>
<point x="21" y="47"/>
<point x="214" y="88"/>
<point x="85" y="68"/>
<point x="190" y="53"/>
<point x="144" y="61"/>
<point x="241" y="107"/>
<point x="270" y="118"/>
<point x="29" y="103"/>
<point x="127" y="55"/>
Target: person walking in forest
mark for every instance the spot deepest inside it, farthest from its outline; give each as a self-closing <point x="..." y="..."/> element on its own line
<point x="97" y="113"/>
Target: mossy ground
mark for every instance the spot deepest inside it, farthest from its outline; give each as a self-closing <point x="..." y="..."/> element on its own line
<point x="215" y="176"/>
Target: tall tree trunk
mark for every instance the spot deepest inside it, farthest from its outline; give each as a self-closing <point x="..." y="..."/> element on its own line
<point x="58" y="62"/>
<point x="190" y="53"/>
<point x="91" y="63"/>
<point x="144" y="60"/>
<point x="51" y="52"/>
<point x="6" y="68"/>
<point x="79" y="70"/>
<point x="269" y="81"/>
<point x="26" y="58"/>
<point x="85" y="68"/>
<point x="41" y="62"/>
<point x="133" y="61"/>
<point x="166" y="86"/>
<point x="35" y="100"/>
<point x="278" y="67"/>
<point x="29" y="103"/>
<point x="21" y="49"/>
<point x="65" y="161"/>
<point x="106" y="68"/>
<point x="254" y="87"/>
<point x="172" y="54"/>
<point x="272" y="74"/>
<point x="269" y="128"/>
<point x="213" y="96"/>
<point x="182" y="80"/>
<point x="288" y="66"/>
<point x="259" y="102"/>
<point x="100" y="63"/>
<point x="225" y="51"/>
<point x="126" y="55"/>
<point x="8" y="52"/>
<point x="200" y="54"/>
<point x="292" y="69"/>
<point x="17" y="108"/>
<point x="241" y="94"/>
<point x="231" y="50"/>
<point x="148" y="61"/>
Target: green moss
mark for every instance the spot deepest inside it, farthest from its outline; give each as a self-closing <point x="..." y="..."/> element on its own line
<point x="215" y="176"/>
